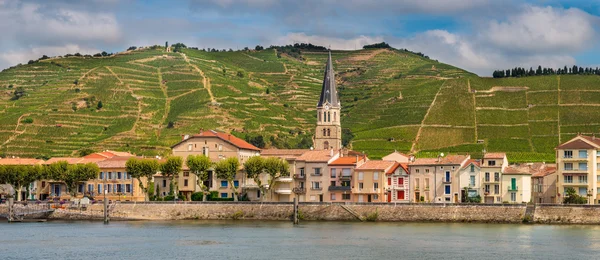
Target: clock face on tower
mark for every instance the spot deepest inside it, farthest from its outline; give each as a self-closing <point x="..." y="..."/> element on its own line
<point x="326" y="107"/>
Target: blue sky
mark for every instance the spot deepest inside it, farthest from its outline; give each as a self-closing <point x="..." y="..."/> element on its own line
<point x="477" y="35"/>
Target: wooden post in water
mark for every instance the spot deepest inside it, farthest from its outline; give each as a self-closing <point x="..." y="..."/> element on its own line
<point x="11" y="203"/>
<point x="105" y="209"/>
<point x="296" y="220"/>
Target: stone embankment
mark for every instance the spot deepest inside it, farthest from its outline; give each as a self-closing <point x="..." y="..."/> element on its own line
<point x="482" y="213"/>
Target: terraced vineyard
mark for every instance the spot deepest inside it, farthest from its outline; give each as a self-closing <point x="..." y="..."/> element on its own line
<point x="392" y="100"/>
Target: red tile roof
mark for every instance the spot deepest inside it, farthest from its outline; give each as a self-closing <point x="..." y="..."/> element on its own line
<point x="494" y="155"/>
<point x="73" y="160"/>
<point x="114" y="162"/>
<point x="316" y="156"/>
<point x="404" y="166"/>
<point x="20" y="161"/>
<point x="592" y="139"/>
<point x="376" y="165"/>
<point x="107" y="154"/>
<point x="516" y="170"/>
<point x="283" y="153"/>
<point x="575" y="144"/>
<point x="348" y="160"/>
<point x="472" y="161"/>
<point x="448" y="160"/>
<point x="235" y="141"/>
<point x="544" y="172"/>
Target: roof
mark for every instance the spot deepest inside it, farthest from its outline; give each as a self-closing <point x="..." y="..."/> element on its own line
<point x="347" y="160"/>
<point x="107" y="154"/>
<point x="577" y="143"/>
<point x="20" y="161"/>
<point x="475" y="162"/>
<point x="283" y="153"/>
<point x="396" y="165"/>
<point x="329" y="91"/>
<point x="516" y="170"/>
<point x="114" y="162"/>
<point x="73" y="160"/>
<point x="448" y="160"/>
<point x="316" y="156"/>
<point x="229" y="138"/>
<point x="544" y="172"/>
<point x="494" y="155"/>
<point x="592" y="139"/>
<point x="376" y="165"/>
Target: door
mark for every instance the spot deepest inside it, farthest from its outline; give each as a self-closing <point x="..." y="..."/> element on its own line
<point x="389" y="196"/>
<point x="369" y="198"/>
<point x="360" y="198"/>
<point x="513" y="183"/>
<point x="321" y="198"/>
<point x="400" y="195"/>
<point x="455" y="198"/>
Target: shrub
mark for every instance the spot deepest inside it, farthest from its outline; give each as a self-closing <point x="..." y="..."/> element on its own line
<point x="171" y="124"/>
<point x="100" y="105"/>
<point x="77" y="90"/>
<point x="28" y="120"/>
<point x="197" y="196"/>
<point x="240" y="74"/>
<point x="237" y="215"/>
<point x="373" y="216"/>
<point x="527" y="219"/>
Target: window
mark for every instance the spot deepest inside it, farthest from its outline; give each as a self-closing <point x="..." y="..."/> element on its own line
<point x="375" y="197"/>
<point x="80" y="188"/>
<point x="568" y="179"/>
<point x="416" y="170"/>
<point x="186" y="174"/>
<point x="496" y="189"/>
<point x="224" y="184"/>
<point x="568" y="154"/>
<point x="236" y="184"/>
<point x="223" y="195"/>
<point x="472" y="168"/>
<point x="333" y="173"/>
<point x="185" y="183"/>
<point x="447" y="189"/>
<point x="332" y="183"/>
<point x="513" y="196"/>
<point x="164" y="183"/>
<point x="100" y="188"/>
<point x="316" y="185"/>
<point x="360" y="186"/>
<point x="417" y="182"/>
<point x="498" y="199"/>
<point x="324" y="132"/>
<point x="583" y="179"/>
<point x="400" y="181"/>
<point x="598" y="178"/>
<point x="375" y="186"/>
<point x="334" y="116"/>
<point x="447" y="199"/>
<point x="426" y="183"/>
<point x="119" y="175"/>
<point x="302" y="172"/>
<point x="496" y="176"/>
<point x="347" y="172"/>
<point x="128" y="188"/>
<point x="119" y="188"/>
<point x="332" y="196"/>
<point x="190" y="147"/>
<point x="317" y="171"/>
<point x="109" y="188"/>
<point x="568" y="166"/>
<point x="376" y="176"/>
<point x="90" y="187"/>
<point x="492" y="163"/>
<point x="582" y="153"/>
<point x="319" y="114"/>
<point x="426" y="170"/>
<point x="487" y="176"/>
<point x="447" y="176"/>
<point x="360" y="176"/>
<point x="102" y="175"/>
<point x="487" y="188"/>
<point x="583" y="166"/>
<point x="220" y="147"/>
<point x="472" y="180"/>
<point x="110" y="175"/>
<point x="328" y="132"/>
<point x="345" y="196"/>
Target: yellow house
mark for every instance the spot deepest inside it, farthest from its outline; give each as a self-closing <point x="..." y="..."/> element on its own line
<point x="516" y="184"/>
<point x="577" y="167"/>
<point x="491" y="168"/>
<point x="368" y="182"/>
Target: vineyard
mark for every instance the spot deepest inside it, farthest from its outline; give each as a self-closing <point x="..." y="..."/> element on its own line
<point x="142" y="101"/>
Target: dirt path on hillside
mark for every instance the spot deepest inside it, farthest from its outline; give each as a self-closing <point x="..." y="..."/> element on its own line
<point x="84" y="74"/>
<point x="206" y="81"/>
<point x="139" y="100"/>
<point x="163" y="87"/>
<point x="412" y="148"/>
<point x="16" y="132"/>
<point x="501" y="108"/>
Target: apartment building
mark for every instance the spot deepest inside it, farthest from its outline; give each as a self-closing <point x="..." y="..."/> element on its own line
<point x="341" y="172"/>
<point x="436" y="179"/>
<point x="470" y="180"/>
<point x="115" y="181"/>
<point x="544" y="181"/>
<point x="369" y="182"/>
<point x="397" y="186"/>
<point x="492" y="166"/>
<point x="577" y="167"/>
<point x="284" y="187"/>
<point x="312" y="180"/>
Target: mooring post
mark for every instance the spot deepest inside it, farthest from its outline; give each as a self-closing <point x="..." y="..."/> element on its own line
<point x="296" y="220"/>
<point x="105" y="209"/>
<point x="11" y="202"/>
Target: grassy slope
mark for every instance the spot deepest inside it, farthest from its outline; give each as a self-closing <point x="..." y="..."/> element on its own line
<point x="391" y="100"/>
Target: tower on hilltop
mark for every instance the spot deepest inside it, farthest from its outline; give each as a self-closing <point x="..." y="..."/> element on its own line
<point x="328" y="134"/>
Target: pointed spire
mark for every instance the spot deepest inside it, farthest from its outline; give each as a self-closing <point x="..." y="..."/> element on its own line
<point x="329" y="91"/>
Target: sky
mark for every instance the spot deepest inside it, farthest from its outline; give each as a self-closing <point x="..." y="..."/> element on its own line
<point x="477" y="35"/>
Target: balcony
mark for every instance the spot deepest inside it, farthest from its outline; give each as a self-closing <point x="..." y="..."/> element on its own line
<point x="316" y="188"/>
<point x="299" y="176"/>
<point x="513" y="188"/>
<point x="340" y="188"/>
<point x="574" y="158"/>
<point x="426" y="188"/>
<point x="284" y="179"/>
<point x="417" y="188"/>
<point x="283" y="191"/>
<point x="299" y="190"/>
<point x="316" y="174"/>
<point x="345" y="177"/>
<point x="447" y="180"/>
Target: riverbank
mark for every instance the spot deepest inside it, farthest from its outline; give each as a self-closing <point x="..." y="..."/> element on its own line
<point x="381" y="212"/>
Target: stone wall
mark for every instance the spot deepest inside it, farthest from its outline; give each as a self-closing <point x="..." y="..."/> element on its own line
<point x="571" y="214"/>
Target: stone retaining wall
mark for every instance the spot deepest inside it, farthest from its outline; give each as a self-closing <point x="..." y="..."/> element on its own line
<point x="572" y="214"/>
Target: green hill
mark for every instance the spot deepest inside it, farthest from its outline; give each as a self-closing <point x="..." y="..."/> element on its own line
<point x="391" y="99"/>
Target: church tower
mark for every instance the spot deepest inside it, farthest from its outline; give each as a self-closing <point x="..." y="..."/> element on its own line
<point x="328" y="134"/>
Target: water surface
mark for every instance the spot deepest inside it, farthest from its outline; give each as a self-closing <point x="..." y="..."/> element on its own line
<point x="282" y="240"/>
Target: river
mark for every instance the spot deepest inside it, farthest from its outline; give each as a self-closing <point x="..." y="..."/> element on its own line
<point x="282" y="240"/>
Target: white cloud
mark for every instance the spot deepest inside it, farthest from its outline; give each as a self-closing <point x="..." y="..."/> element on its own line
<point x="335" y="43"/>
<point x="542" y="29"/>
<point x="12" y="58"/>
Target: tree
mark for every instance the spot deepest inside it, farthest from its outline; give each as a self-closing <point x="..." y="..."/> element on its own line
<point x="86" y="151"/>
<point x="259" y="48"/>
<point x="254" y="167"/>
<point x="132" y="48"/>
<point x="199" y="165"/>
<point x="227" y="170"/>
<point x="139" y="168"/>
<point x="571" y="197"/>
<point x="77" y="173"/>
<point x="100" y="105"/>
<point x="275" y="168"/>
<point x="18" y="93"/>
<point x="171" y="168"/>
<point x="104" y="54"/>
<point x="19" y="176"/>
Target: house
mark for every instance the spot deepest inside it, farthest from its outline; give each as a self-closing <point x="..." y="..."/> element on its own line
<point x="543" y="181"/>
<point x="492" y="166"/>
<point x="369" y="181"/>
<point x="516" y="184"/>
<point x="469" y="179"/>
<point x="311" y="180"/>
<point x="114" y="181"/>
<point x="435" y="179"/>
<point x="397" y="186"/>
<point x="33" y="187"/>
<point x="577" y="167"/>
<point x="216" y="146"/>
<point x="340" y="175"/>
<point x="397" y="157"/>
<point x="56" y="189"/>
<point x="284" y="186"/>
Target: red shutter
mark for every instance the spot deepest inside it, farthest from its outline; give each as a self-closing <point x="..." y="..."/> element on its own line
<point x="389" y="196"/>
<point x="389" y="181"/>
<point x="400" y="181"/>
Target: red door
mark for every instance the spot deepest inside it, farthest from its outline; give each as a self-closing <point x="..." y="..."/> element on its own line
<point x="389" y="197"/>
<point x="400" y="195"/>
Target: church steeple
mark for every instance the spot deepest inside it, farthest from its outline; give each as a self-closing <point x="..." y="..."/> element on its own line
<point x="329" y="93"/>
<point x="328" y="133"/>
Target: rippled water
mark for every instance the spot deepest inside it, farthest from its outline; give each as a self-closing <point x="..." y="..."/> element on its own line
<point x="282" y="240"/>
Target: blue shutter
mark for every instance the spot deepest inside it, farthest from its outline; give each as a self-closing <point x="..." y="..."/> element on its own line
<point x="236" y="184"/>
<point x="101" y="175"/>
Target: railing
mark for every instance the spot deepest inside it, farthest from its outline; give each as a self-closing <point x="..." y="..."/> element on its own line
<point x="316" y="188"/>
<point x="316" y="174"/>
<point x="339" y="188"/>
<point x="299" y="190"/>
<point x="447" y="180"/>
<point x="513" y="188"/>
<point x="346" y="177"/>
<point x="299" y="176"/>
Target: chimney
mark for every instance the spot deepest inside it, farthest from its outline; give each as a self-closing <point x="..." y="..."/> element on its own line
<point x="331" y="153"/>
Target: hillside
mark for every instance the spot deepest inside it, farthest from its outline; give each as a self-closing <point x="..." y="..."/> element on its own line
<point x="392" y="100"/>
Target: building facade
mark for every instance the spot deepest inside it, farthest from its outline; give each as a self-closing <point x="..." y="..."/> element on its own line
<point x="516" y="184"/>
<point x="492" y="166"/>
<point x="436" y="179"/>
<point x="369" y="184"/>
<point x="544" y="181"/>
<point x="577" y="168"/>
<point x="397" y="185"/>
<point x="469" y="179"/>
